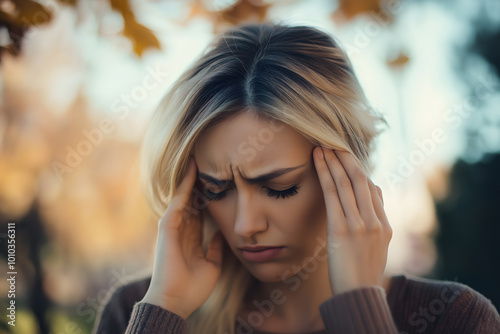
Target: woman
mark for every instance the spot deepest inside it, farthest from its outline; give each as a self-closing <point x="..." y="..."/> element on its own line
<point x="265" y="142"/>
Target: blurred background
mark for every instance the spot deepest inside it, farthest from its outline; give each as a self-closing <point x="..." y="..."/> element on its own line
<point x="80" y="79"/>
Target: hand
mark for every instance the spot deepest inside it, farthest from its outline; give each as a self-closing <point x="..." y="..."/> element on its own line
<point x="183" y="277"/>
<point x="357" y="227"/>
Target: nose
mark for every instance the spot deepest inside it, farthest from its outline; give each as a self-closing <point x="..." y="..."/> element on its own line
<point x="249" y="218"/>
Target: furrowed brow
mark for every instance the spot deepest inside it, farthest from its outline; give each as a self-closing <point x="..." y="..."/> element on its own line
<point x="255" y="180"/>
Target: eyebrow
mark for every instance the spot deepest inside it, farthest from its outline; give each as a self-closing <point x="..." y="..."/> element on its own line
<point x="255" y="180"/>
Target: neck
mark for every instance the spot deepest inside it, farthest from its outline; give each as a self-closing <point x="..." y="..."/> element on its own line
<point x="293" y="303"/>
<point x="295" y="300"/>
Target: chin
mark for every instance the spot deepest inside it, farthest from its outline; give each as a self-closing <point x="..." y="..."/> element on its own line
<point x="268" y="272"/>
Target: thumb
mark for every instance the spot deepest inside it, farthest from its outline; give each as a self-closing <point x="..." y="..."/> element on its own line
<point x="215" y="247"/>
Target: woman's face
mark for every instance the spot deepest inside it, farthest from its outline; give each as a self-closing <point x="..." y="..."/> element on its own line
<point x="249" y="213"/>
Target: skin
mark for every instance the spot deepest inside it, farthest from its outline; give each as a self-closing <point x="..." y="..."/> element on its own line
<point x="245" y="146"/>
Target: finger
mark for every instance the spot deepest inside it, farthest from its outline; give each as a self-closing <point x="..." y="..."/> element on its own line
<point x="333" y="206"/>
<point x="360" y="184"/>
<point x="378" y="205"/>
<point x="215" y="248"/>
<point x="376" y="200"/>
<point x="379" y="209"/>
<point x="193" y="233"/>
<point x="184" y="191"/>
<point x="379" y="191"/>
<point x="176" y="212"/>
<point x="345" y="190"/>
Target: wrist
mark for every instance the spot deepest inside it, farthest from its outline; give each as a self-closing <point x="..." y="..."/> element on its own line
<point x="169" y="306"/>
<point x="348" y="288"/>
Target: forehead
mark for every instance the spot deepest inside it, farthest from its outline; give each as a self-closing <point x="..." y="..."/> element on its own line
<point x="251" y="144"/>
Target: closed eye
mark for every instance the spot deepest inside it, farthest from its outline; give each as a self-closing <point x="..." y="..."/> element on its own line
<point x="211" y="196"/>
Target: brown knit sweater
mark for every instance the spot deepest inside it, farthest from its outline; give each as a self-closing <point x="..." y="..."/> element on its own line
<point x="412" y="305"/>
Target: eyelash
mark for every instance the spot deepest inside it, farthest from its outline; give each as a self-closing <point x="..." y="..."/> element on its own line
<point x="211" y="196"/>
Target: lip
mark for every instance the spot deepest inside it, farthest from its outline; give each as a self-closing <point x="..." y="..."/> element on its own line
<point x="262" y="255"/>
<point x="257" y="248"/>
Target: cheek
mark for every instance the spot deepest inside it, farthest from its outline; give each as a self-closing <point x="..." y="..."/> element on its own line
<point x="304" y="214"/>
<point x="220" y="215"/>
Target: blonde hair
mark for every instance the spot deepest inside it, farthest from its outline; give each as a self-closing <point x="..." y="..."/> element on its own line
<point x="298" y="75"/>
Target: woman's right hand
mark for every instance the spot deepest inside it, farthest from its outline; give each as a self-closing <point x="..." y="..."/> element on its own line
<point x="183" y="277"/>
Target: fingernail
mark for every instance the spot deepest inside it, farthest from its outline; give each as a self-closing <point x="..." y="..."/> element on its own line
<point x="319" y="153"/>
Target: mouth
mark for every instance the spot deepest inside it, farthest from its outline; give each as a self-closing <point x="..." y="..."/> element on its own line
<point x="261" y="255"/>
<point x="258" y="248"/>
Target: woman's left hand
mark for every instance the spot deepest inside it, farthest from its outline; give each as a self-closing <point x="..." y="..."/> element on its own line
<point x="357" y="228"/>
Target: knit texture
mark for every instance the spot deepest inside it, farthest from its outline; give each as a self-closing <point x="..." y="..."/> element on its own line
<point x="412" y="305"/>
<point x="154" y="319"/>
<point x="362" y="311"/>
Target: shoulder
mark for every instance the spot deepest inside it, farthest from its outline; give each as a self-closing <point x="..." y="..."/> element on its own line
<point x="432" y="305"/>
<point x="115" y="313"/>
<point x="442" y="291"/>
<point x="411" y="287"/>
